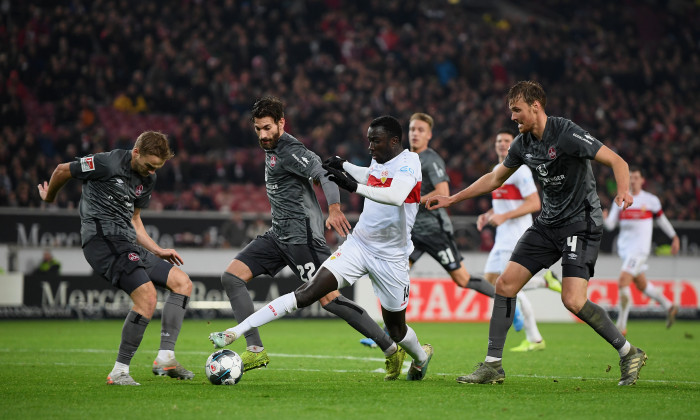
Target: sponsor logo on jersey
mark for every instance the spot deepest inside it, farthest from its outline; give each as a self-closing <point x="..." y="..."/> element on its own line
<point x="406" y="169"/>
<point x="527" y="155"/>
<point x="336" y="255"/>
<point x="304" y="161"/>
<point x="572" y="256"/>
<point x="118" y="180"/>
<point x="87" y="164"/>
<point x="273" y="161"/>
<point x="552" y="153"/>
<point x="139" y="190"/>
<point x="272" y="308"/>
<point x="588" y="139"/>
<point x="542" y="170"/>
<point x="134" y="256"/>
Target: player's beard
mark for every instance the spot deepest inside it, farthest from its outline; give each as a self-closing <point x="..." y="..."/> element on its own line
<point x="272" y="142"/>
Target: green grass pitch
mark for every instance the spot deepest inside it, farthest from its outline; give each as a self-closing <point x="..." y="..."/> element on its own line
<point x="318" y="369"/>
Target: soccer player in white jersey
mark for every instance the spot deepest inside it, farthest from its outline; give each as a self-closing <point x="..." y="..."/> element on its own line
<point x="379" y="246"/>
<point x="513" y="205"/>
<point x="634" y="245"/>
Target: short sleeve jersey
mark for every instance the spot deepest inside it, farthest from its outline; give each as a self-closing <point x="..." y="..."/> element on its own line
<point x="508" y="197"/>
<point x="433" y="171"/>
<point x="296" y="214"/>
<point x="111" y="192"/>
<point x="561" y="161"/>
<point x="636" y="224"/>
<point x="385" y="230"/>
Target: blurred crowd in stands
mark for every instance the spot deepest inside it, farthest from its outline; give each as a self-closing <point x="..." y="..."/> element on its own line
<point x="84" y="76"/>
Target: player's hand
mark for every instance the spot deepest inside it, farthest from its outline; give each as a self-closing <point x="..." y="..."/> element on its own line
<point x="675" y="245"/>
<point x="341" y="178"/>
<point x="605" y="213"/>
<point x="497" y="219"/>
<point x="437" y="201"/>
<point x="171" y="256"/>
<point x="43" y="190"/>
<point x="335" y="162"/>
<point x="481" y="221"/>
<point x="624" y="200"/>
<point x="337" y="220"/>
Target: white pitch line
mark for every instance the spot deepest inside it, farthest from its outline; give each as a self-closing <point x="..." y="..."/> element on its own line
<point x="313" y="356"/>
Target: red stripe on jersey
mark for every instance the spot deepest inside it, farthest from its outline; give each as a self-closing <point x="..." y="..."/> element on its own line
<point x="506" y="192"/>
<point x="636" y="214"/>
<point x="413" y="196"/>
<point x="376" y="182"/>
<point x="658" y="214"/>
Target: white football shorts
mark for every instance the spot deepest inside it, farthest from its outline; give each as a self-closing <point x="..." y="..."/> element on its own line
<point x="635" y="264"/>
<point x="497" y="260"/>
<point x="390" y="280"/>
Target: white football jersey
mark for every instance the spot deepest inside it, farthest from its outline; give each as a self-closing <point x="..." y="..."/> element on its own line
<point x="509" y="197"/>
<point x="636" y="224"/>
<point x="385" y="230"/>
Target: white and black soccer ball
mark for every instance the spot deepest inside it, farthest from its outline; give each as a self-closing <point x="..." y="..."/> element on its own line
<point x="224" y="367"/>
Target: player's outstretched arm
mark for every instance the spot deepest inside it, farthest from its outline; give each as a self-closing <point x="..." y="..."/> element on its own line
<point x="61" y="175"/>
<point x="622" y="175"/>
<point x="483" y="185"/>
<point x="143" y="239"/>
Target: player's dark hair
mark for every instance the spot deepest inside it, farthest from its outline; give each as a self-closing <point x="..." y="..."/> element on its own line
<point x="635" y="168"/>
<point x="154" y="143"/>
<point x="506" y="130"/>
<point x="390" y="124"/>
<point x="529" y="91"/>
<point x="420" y="116"/>
<point x="268" y="106"/>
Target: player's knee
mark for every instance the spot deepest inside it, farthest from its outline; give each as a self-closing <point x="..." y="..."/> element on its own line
<point x="572" y="303"/>
<point x="145" y="303"/>
<point x="179" y="282"/>
<point x="505" y="287"/>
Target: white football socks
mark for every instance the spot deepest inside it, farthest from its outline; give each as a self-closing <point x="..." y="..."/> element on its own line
<point x="625" y="305"/>
<point x="656" y="294"/>
<point x="120" y="367"/>
<point x="530" y="325"/>
<point x="278" y="308"/>
<point x="412" y="346"/>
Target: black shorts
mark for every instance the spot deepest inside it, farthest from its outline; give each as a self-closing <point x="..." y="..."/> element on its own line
<point x="577" y="245"/>
<point x="268" y="255"/>
<point x="125" y="264"/>
<point x="441" y="246"/>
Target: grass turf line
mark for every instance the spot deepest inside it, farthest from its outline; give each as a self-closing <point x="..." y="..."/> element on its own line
<point x="57" y="369"/>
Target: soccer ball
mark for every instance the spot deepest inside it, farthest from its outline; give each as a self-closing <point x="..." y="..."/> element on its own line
<point x="224" y="367"/>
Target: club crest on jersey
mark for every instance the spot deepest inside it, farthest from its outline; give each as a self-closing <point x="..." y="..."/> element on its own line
<point x="542" y="170"/>
<point x="273" y="161"/>
<point x="134" y="256"/>
<point x="552" y="152"/>
<point x="87" y="164"/>
<point x="384" y="175"/>
<point x="139" y="191"/>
